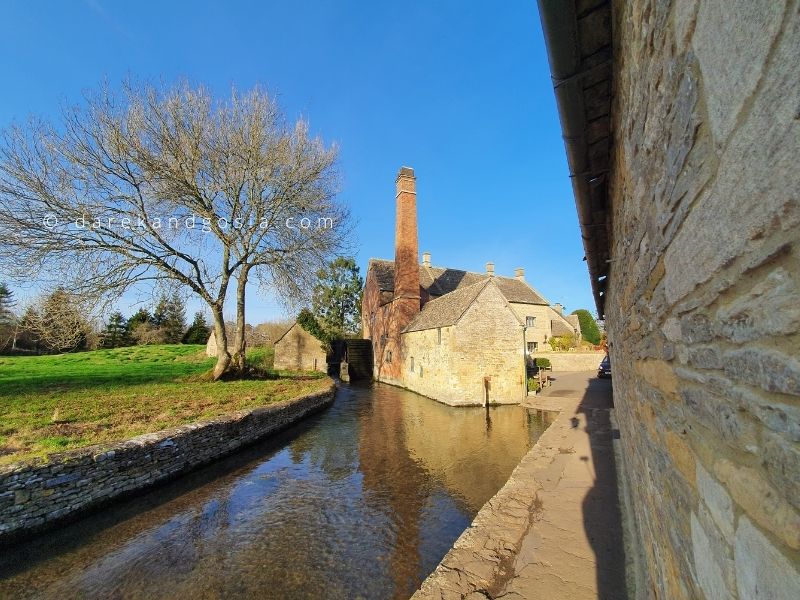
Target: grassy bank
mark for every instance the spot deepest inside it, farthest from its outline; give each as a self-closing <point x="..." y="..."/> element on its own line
<point x="54" y="403"/>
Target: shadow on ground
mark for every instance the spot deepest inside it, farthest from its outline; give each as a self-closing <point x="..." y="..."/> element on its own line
<point x="602" y="518"/>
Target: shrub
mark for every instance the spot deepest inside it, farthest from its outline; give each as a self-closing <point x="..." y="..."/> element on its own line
<point x="543" y="363"/>
<point x="562" y="342"/>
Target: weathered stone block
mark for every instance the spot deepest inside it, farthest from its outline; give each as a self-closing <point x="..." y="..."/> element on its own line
<point x="762" y="571"/>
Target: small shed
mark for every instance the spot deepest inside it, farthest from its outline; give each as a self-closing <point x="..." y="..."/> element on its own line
<point x="298" y="350"/>
<point x="211" y="344"/>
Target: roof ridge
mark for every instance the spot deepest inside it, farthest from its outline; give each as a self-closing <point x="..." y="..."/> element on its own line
<point x="483" y="285"/>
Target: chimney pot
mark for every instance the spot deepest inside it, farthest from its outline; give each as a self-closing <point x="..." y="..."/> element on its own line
<point x="490" y="269"/>
<point x="426" y="259"/>
<point x="519" y="273"/>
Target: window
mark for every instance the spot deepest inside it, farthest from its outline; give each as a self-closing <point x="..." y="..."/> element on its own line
<point x="439" y="336"/>
<point x="412" y="364"/>
<point x="389" y="356"/>
<point x="532" y="347"/>
<point x="530" y="321"/>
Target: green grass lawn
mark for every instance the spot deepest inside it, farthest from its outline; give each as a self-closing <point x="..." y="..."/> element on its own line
<point x="54" y="403"/>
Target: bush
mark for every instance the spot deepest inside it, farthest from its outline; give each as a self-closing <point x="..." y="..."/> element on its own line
<point x="562" y="342"/>
<point x="533" y="384"/>
<point x="543" y="363"/>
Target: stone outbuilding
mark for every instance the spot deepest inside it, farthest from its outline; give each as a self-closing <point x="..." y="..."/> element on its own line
<point x="211" y="344"/>
<point x="298" y="350"/>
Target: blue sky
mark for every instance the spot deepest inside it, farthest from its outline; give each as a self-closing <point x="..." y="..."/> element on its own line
<point x="460" y="91"/>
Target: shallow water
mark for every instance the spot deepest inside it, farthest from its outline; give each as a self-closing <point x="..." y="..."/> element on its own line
<point x="360" y="501"/>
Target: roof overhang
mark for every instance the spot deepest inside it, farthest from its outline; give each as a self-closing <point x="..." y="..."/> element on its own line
<point x="578" y="34"/>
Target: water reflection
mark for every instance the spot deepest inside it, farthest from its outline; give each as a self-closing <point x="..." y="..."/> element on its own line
<point x="361" y="501"/>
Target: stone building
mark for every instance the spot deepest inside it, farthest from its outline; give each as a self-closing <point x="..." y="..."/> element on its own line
<point x="456" y="336"/>
<point x="298" y="350"/>
<point x="688" y="195"/>
<point x="211" y="344"/>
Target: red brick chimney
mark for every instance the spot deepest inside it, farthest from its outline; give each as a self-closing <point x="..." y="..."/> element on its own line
<point x="406" y="253"/>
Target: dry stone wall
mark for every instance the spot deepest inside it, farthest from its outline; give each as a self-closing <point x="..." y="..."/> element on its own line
<point x="702" y="311"/>
<point x="35" y="495"/>
<point x="572" y="361"/>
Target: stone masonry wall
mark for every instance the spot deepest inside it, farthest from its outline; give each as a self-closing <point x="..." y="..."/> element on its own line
<point x="572" y="361"/>
<point x="703" y="305"/>
<point x="34" y="495"/>
<point x="486" y="342"/>
<point x="298" y="350"/>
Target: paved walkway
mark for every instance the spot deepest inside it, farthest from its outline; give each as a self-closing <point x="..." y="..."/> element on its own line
<point x="553" y="531"/>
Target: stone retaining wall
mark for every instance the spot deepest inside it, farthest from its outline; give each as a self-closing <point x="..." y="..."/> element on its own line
<point x="572" y="361"/>
<point x="37" y="494"/>
<point x="480" y="560"/>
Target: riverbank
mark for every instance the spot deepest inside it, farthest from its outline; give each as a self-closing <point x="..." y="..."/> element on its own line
<point x="553" y="530"/>
<point x="55" y="403"/>
<point x="37" y="494"/>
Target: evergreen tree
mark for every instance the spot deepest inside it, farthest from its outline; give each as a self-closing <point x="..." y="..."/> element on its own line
<point x="116" y="331"/>
<point x="198" y="331"/>
<point x="589" y="330"/>
<point x="6" y="304"/>
<point x="174" y="323"/>
<point x="160" y="311"/>
<point x="336" y="300"/>
<point x="7" y="320"/>
<point x="140" y="317"/>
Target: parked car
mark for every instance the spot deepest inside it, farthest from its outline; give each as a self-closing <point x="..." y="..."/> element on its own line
<point x="604" y="370"/>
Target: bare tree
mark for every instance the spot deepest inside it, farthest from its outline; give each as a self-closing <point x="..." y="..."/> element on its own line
<point x="155" y="184"/>
<point x="58" y="321"/>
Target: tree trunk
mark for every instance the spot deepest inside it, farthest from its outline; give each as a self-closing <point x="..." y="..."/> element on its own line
<point x="239" y="349"/>
<point x="221" y="337"/>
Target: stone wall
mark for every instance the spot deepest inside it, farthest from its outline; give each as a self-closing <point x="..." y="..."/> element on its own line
<point x="298" y="350"/>
<point x="486" y="342"/>
<point x="703" y="311"/>
<point x="38" y="494"/>
<point x="572" y="361"/>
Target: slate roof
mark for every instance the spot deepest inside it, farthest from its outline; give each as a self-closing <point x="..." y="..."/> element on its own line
<point x="438" y="281"/>
<point x="560" y="327"/>
<point x="573" y="320"/>
<point x="446" y="310"/>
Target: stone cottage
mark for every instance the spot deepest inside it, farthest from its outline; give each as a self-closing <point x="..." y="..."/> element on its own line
<point x="298" y="350"/>
<point x="456" y="336"/>
<point x="681" y="122"/>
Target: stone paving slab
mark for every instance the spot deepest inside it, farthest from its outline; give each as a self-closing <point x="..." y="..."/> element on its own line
<point x="553" y="531"/>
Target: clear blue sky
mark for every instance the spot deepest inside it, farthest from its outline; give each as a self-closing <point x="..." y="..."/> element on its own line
<point x="458" y="90"/>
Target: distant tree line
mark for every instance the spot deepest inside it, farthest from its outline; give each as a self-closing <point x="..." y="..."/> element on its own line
<point x="60" y="321"/>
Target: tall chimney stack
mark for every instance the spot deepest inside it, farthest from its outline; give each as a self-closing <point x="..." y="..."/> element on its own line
<point x="406" y="252"/>
<point x="490" y="269"/>
<point x="519" y="273"/>
<point x="426" y="259"/>
<point x="559" y="308"/>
